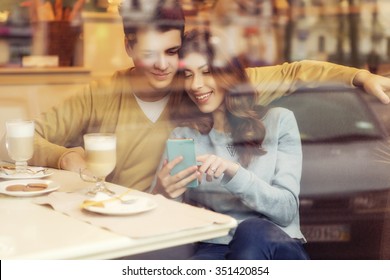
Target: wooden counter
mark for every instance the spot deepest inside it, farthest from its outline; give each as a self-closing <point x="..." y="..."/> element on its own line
<point x="39" y="76"/>
<point x="27" y="92"/>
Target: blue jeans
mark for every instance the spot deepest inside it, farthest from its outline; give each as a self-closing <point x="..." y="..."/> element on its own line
<point x="254" y="239"/>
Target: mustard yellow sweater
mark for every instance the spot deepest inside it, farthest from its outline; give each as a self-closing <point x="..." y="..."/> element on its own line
<point x="110" y="106"/>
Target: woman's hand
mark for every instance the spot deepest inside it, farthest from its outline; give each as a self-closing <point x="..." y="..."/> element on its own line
<point x="173" y="186"/>
<point x="214" y="166"/>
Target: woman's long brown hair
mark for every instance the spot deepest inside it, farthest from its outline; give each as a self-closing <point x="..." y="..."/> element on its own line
<point x="242" y="113"/>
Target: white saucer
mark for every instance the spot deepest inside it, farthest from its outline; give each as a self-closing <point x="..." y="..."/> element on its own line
<point x="52" y="186"/>
<point x="137" y="205"/>
<point x="41" y="173"/>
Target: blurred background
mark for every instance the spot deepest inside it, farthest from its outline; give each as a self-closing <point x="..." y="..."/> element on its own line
<point x="349" y="32"/>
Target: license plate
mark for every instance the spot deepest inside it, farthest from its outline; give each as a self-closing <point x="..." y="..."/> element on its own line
<point x="326" y="233"/>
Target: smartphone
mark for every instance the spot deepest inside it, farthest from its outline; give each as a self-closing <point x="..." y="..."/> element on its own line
<point x="186" y="149"/>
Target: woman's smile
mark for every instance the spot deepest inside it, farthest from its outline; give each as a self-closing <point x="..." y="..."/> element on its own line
<point x="202" y="98"/>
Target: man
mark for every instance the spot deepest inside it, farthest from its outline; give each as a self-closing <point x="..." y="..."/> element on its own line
<point x="132" y="104"/>
<point x="135" y="103"/>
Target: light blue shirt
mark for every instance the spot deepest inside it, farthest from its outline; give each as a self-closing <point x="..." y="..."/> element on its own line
<point x="269" y="187"/>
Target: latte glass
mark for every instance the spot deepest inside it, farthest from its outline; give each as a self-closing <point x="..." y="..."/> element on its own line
<point x="100" y="151"/>
<point x="20" y="143"/>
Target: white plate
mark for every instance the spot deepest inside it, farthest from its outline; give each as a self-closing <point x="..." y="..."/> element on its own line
<point x="45" y="172"/>
<point x="52" y="186"/>
<point x="138" y="204"/>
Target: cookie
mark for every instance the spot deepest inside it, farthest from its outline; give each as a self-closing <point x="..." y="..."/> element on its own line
<point x="15" y="188"/>
<point x="33" y="187"/>
<point x="8" y="167"/>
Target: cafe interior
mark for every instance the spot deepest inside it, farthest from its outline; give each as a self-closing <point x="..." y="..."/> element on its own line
<point x="48" y="52"/>
<point x="46" y="58"/>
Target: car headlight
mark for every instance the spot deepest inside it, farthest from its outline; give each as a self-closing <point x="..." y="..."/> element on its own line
<point x="370" y="201"/>
<point x="306" y="203"/>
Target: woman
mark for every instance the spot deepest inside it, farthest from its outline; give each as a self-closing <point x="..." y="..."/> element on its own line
<point x="250" y="158"/>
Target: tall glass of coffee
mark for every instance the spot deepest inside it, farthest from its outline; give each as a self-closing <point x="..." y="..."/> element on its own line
<point x="100" y="151"/>
<point x="20" y="142"/>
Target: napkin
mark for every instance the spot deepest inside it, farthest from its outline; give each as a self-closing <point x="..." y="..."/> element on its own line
<point x="168" y="217"/>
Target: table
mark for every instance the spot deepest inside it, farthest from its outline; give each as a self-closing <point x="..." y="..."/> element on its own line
<point x="32" y="231"/>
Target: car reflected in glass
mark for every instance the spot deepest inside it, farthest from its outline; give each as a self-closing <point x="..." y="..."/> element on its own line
<point x="345" y="186"/>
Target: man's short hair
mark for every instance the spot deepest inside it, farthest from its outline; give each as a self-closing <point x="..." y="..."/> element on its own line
<point x="163" y="15"/>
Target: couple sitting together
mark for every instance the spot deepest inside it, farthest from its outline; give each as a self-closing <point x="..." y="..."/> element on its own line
<point x="250" y="156"/>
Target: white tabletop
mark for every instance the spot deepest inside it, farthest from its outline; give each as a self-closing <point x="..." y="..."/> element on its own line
<point x="31" y="231"/>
